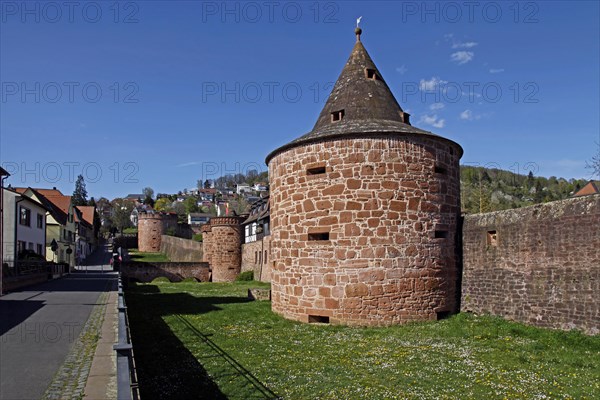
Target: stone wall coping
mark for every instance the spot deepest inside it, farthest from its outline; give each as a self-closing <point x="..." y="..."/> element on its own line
<point x="229" y="220"/>
<point x="553" y="209"/>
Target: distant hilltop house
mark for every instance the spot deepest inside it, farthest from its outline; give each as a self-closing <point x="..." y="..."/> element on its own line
<point x="243" y="188"/>
<point x="592" y="187"/>
<point x="138" y="198"/>
<point x="207" y="194"/>
<point x="198" y="219"/>
<point x="260" y="187"/>
<point x="135" y="213"/>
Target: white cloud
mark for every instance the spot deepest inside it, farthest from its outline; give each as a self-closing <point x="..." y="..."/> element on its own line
<point x="187" y="164"/>
<point x="463" y="45"/>
<point x="436" y="106"/>
<point x="468" y="115"/>
<point x="401" y="69"/>
<point x="448" y="36"/>
<point x="433" y="120"/>
<point x="496" y="70"/>
<point x="431" y="84"/>
<point x="462" y="57"/>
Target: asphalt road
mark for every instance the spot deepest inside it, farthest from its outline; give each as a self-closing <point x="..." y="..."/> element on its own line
<point x="38" y="326"/>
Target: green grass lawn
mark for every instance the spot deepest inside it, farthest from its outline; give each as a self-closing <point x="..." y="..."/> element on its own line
<point x="139" y="256"/>
<point x="205" y="340"/>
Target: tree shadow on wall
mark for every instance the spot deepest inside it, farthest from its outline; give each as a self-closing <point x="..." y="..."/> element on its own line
<point x="166" y="369"/>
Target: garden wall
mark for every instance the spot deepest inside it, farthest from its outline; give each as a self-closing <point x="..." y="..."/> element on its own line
<point x="538" y="265"/>
<point x="174" y="271"/>
<point x="178" y="249"/>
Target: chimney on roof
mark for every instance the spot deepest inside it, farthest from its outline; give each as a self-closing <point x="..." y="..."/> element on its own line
<point x="53" y="187"/>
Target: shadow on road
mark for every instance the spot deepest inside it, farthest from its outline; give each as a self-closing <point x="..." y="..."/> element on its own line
<point x="14" y="312"/>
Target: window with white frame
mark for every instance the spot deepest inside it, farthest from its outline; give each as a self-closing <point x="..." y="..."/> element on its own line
<point x="24" y="216"/>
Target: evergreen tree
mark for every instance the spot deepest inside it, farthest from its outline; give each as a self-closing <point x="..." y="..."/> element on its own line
<point x="530" y="180"/>
<point x="79" y="197"/>
<point x="149" y="201"/>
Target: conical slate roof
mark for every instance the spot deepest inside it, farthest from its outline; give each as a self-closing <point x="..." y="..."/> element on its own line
<point x="360" y="104"/>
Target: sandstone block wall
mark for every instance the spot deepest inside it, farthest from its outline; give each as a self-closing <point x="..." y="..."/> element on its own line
<point x="178" y="249"/>
<point x="538" y="265"/>
<point x="364" y="230"/>
<point x="174" y="271"/>
<point x="225" y="243"/>
<point x="252" y="260"/>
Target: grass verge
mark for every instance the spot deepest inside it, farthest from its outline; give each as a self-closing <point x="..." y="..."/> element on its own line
<point x="206" y="340"/>
<point x="136" y="255"/>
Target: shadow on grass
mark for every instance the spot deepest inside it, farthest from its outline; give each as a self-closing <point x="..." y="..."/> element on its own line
<point x="165" y="367"/>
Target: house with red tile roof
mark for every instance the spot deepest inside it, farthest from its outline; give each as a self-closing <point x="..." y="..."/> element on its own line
<point x="592" y="187"/>
<point x="60" y="223"/>
<point x="85" y="232"/>
<point x="23" y="226"/>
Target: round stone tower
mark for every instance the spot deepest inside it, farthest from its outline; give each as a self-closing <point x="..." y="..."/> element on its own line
<point x="225" y="247"/>
<point x="150" y="228"/>
<point x="364" y="211"/>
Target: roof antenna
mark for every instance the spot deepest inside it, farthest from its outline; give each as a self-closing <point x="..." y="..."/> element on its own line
<point x="358" y="31"/>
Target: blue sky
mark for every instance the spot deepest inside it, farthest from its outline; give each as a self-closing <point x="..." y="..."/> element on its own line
<point x="161" y="94"/>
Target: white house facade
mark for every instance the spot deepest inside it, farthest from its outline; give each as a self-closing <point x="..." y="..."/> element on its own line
<point x="23" y="225"/>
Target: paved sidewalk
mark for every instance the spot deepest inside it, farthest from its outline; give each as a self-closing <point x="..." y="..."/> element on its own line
<point x="102" y="380"/>
<point x="48" y="335"/>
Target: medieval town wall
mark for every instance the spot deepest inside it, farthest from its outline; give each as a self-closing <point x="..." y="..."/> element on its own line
<point x="538" y="265"/>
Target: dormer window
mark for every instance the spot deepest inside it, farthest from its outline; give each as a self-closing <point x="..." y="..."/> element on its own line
<point x="405" y="117"/>
<point x="371" y="74"/>
<point x="337" y="115"/>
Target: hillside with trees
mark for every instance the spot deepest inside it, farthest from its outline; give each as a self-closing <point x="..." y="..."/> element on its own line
<point x="482" y="189"/>
<point x="230" y="180"/>
<point x="490" y="189"/>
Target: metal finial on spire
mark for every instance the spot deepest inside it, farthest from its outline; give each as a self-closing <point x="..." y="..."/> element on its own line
<point x="358" y="31"/>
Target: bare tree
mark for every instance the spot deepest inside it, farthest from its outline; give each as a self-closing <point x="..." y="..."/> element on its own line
<point x="594" y="163"/>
